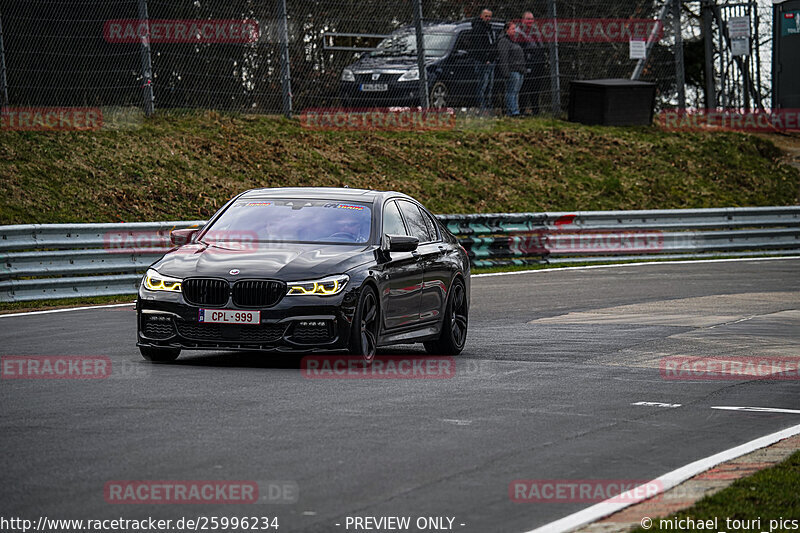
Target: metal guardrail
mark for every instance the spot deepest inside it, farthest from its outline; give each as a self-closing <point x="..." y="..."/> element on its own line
<point x="48" y="261"/>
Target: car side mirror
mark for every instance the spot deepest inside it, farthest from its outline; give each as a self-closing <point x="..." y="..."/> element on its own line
<point x="402" y="243"/>
<point x="179" y="237"/>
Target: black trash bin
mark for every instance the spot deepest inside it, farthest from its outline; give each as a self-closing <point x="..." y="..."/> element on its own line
<point x="612" y="102"/>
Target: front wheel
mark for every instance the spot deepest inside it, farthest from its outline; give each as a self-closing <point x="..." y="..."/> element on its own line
<point x="454" y="330"/>
<point x="439" y="96"/>
<point x="159" y="355"/>
<point x="364" y="333"/>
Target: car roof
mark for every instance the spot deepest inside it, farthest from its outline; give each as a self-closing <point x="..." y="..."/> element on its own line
<point x="322" y="193"/>
<point x="447" y="26"/>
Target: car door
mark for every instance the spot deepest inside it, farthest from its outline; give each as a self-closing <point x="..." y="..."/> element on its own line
<point x="460" y="69"/>
<point x="431" y="252"/>
<point x="402" y="276"/>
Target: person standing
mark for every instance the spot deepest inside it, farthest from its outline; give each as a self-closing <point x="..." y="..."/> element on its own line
<point x="533" y="85"/>
<point x="483" y="48"/>
<point x="511" y="66"/>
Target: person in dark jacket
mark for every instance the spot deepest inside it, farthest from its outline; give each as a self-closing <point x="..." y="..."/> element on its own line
<point x="511" y="67"/>
<point x="483" y="49"/>
<point x="536" y="77"/>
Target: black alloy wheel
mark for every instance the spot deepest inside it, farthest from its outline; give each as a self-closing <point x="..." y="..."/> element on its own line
<point x="364" y="337"/>
<point x="454" y="330"/>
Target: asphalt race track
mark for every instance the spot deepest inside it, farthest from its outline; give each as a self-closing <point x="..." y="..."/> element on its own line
<point x="544" y="390"/>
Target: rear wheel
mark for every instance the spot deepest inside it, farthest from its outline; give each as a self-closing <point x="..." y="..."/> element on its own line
<point x="364" y="334"/>
<point x="454" y="330"/>
<point x="159" y="355"/>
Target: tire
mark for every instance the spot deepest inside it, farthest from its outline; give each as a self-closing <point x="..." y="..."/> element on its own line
<point x="456" y="318"/>
<point x="159" y="355"/>
<point x="439" y="96"/>
<point x="366" y="323"/>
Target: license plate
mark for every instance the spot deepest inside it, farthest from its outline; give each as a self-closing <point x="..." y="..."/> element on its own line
<point x="229" y="316"/>
<point x="374" y="87"/>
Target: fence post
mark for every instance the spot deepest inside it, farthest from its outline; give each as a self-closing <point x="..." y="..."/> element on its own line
<point x="147" y="66"/>
<point x="286" y="74"/>
<point x="706" y="6"/>
<point x="423" y="74"/>
<point x="555" y="80"/>
<point x="680" y="78"/>
<point x="3" y="82"/>
<point x="651" y="41"/>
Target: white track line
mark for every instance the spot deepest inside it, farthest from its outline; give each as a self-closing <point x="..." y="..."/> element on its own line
<point x="622" y="265"/>
<point x="758" y="409"/>
<point x="29" y="313"/>
<point x="664" y="483"/>
<point x="559" y="269"/>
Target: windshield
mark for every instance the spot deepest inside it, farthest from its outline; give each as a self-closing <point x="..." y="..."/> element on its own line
<point x="404" y="43"/>
<point x="293" y="220"/>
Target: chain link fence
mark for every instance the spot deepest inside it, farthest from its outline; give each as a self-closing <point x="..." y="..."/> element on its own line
<point x="285" y="56"/>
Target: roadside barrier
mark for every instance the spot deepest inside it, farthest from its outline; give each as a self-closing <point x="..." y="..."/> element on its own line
<point x="49" y="261"/>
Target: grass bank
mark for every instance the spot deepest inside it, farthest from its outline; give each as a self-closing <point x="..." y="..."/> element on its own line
<point x="768" y="495"/>
<point x="185" y="165"/>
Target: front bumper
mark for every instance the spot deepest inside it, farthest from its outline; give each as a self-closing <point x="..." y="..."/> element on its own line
<point x="398" y="94"/>
<point x="295" y="324"/>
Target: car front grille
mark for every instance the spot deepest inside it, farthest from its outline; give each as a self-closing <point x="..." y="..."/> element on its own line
<point x="258" y="293"/>
<point x="383" y="78"/>
<point x="206" y="291"/>
<point x="231" y="332"/>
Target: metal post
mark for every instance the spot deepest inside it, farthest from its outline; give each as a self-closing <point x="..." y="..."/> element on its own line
<point x="286" y="75"/>
<point x="555" y="79"/>
<point x="680" y="80"/>
<point x="651" y="41"/>
<point x="708" y="40"/>
<point x="3" y="82"/>
<point x="423" y="74"/>
<point x="147" y="66"/>
<point x="725" y="95"/>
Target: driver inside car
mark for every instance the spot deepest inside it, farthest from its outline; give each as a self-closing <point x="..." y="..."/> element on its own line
<point x="347" y="229"/>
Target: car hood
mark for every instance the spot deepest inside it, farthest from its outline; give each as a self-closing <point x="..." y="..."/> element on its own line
<point x="287" y="262"/>
<point x="382" y="63"/>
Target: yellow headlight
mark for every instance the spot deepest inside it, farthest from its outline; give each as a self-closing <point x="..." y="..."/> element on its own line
<point x="154" y="281"/>
<point x="323" y="287"/>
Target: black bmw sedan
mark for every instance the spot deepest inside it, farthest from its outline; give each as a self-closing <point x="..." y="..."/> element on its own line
<point x="307" y="269"/>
